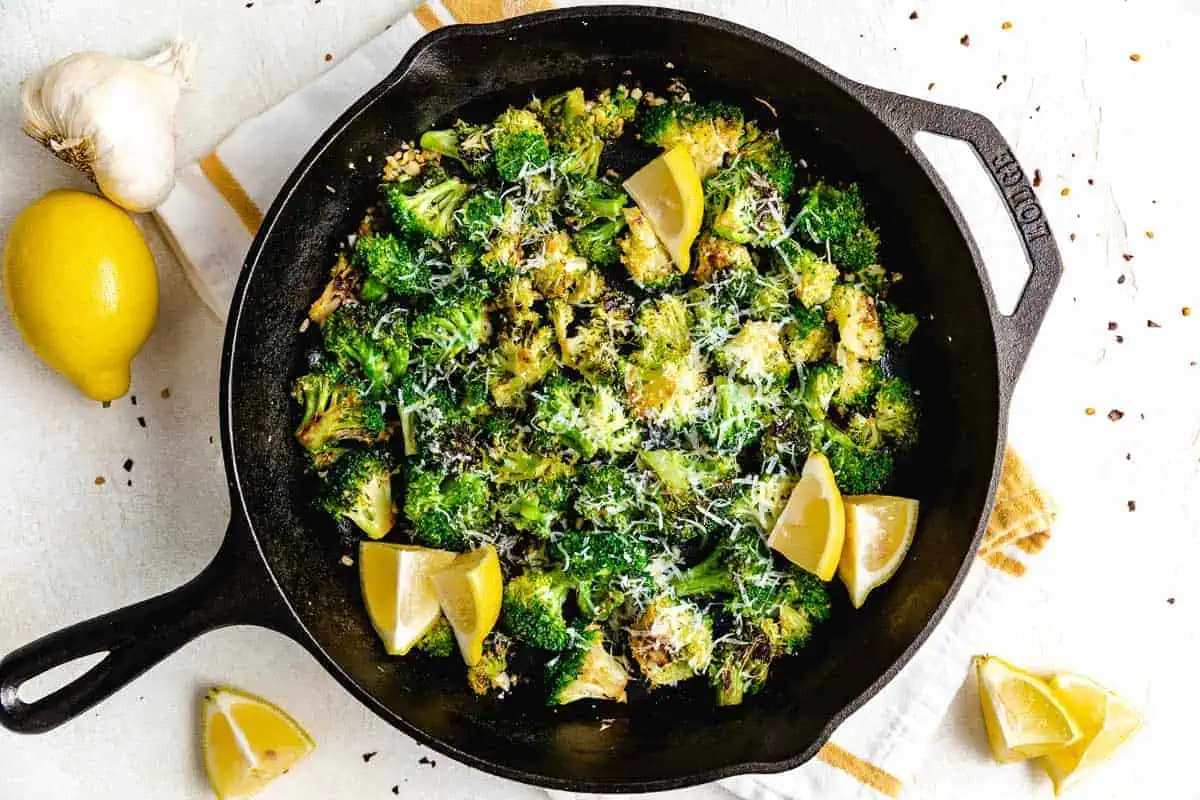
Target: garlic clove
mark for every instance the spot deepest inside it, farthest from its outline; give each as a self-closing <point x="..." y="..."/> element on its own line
<point x="112" y="118"/>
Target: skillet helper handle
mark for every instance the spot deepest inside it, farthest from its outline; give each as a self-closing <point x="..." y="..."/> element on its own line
<point x="234" y="589"/>
<point x="1015" y="333"/>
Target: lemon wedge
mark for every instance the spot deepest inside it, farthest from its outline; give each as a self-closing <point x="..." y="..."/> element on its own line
<point x="247" y="742"/>
<point x="1024" y="718"/>
<point x="470" y="591"/>
<point x="812" y="528"/>
<point x="669" y="193"/>
<point x="1105" y="720"/>
<point x="879" y="531"/>
<point x="398" y="592"/>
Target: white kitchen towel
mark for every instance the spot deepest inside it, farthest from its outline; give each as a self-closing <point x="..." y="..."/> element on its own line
<point x="213" y="213"/>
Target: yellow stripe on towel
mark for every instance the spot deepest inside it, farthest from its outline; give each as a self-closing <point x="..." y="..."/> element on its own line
<point x="492" y="10"/>
<point x="862" y="771"/>
<point x="227" y="185"/>
<point x="429" y="20"/>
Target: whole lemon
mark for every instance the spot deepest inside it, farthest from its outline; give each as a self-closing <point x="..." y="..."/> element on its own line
<point x="82" y="289"/>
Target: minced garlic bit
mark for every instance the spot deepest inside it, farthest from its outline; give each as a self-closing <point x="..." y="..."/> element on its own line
<point x="406" y="162"/>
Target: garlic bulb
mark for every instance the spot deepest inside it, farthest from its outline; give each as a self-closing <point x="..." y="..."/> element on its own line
<point x="112" y="118"/>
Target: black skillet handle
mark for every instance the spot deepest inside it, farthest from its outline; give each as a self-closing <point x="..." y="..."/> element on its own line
<point x="1017" y="331"/>
<point x="233" y="589"/>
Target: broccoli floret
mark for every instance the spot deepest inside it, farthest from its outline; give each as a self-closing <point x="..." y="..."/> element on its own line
<point x="600" y="241"/>
<point x="502" y="259"/>
<point x="441" y="422"/>
<point x="709" y="131"/>
<point x="896" y="412"/>
<point x="787" y="440"/>
<point x="687" y="474"/>
<point x="439" y="640"/>
<point x="723" y="261"/>
<point x="737" y="415"/>
<point x="806" y="337"/>
<point x="764" y="154"/>
<point x="588" y="419"/>
<point x="663" y="330"/>
<point x="856" y="470"/>
<point x="334" y="412"/>
<point x="467" y="144"/>
<point x="572" y="133"/>
<point x="425" y="210"/>
<point x="811" y="278"/>
<point x="857" y="319"/>
<point x="611" y="498"/>
<point x="647" y="261"/>
<point x="756" y="354"/>
<point x="671" y="642"/>
<point x="536" y="506"/>
<point x="342" y="288"/>
<point x="864" y="432"/>
<point x="512" y="459"/>
<point x="740" y="666"/>
<point x="585" y="671"/>
<point x="860" y="379"/>
<point x="898" y="326"/>
<point x="611" y="110"/>
<point x="744" y="207"/>
<point x="455" y="323"/>
<point x="593" y="349"/>
<point x="389" y="266"/>
<point x="372" y="340"/>
<point x="480" y="216"/>
<point x="764" y="500"/>
<point x="771" y="300"/>
<point x="589" y="199"/>
<point x="835" y="220"/>
<point x="821" y="383"/>
<point x="446" y="511"/>
<point x="490" y="673"/>
<point x="519" y="143"/>
<point x="803" y="602"/>
<point x="592" y="555"/>
<point x="516" y="298"/>
<point x="521" y="359"/>
<point x="714" y="318"/>
<point x="562" y="274"/>
<point x="532" y="611"/>
<point x="673" y="393"/>
<point x="359" y="488"/>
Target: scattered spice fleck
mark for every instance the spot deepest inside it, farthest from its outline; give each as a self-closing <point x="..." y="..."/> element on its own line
<point x="142" y="421"/>
<point x="1006" y="26"/>
<point x="1135" y="56"/>
<point x="1037" y="178"/>
<point x="210" y="440"/>
<point x="1149" y="234"/>
<point x="133" y="399"/>
<point x="1112" y="326"/>
<point x="1066" y="190"/>
<point x="1120" y="279"/>
<point x="1037" y="108"/>
<point x="128" y="465"/>
<point x="429" y="761"/>
<point x="1115" y="415"/>
<point x="1127" y="256"/>
<point x="329" y="57"/>
<point x="1186" y="311"/>
<point x="129" y="483"/>
<point x="368" y="756"/>
<point x="165" y="393"/>
<point x="1152" y="324"/>
<point x="1170" y="601"/>
<point x="396" y="789"/>
<point x="249" y="5"/>
<point x="106" y="404"/>
<point x="1072" y="236"/>
<point x="1003" y="80"/>
<point x="931" y="85"/>
<point x="1132" y="505"/>
<point x="99" y="480"/>
<point x="1129" y="456"/>
<point x="1120" y="339"/>
<point x="1091" y="412"/>
<point x="347" y="561"/>
<point x="914" y="15"/>
<point x="965" y="41"/>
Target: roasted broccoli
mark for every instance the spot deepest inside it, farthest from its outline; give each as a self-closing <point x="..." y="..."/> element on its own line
<point x="490" y="673"/>
<point x="447" y="511"/>
<point x="806" y="337"/>
<point x="479" y="218"/>
<point x="425" y="209"/>
<point x="740" y="664"/>
<point x="465" y="143"/>
<point x="764" y="155"/>
<point x="521" y="359"/>
<point x="572" y="132"/>
<point x="859" y="381"/>
<point x="835" y="221"/>
<point x="390" y="266"/>
<point x="756" y="354"/>
<point x="518" y="141"/>
<point x="588" y="419"/>
<point x="710" y="131"/>
<point x="359" y="488"/>
<point x="898" y="326"/>
<point x="612" y="498"/>
<point x="859" y="329"/>
<point x="588" y="199"/>
<point x="745" y="207"/>
<point x="811" y="277"/>
<point x="647" y="261"/>
<point x="722" y="261"/>
<point x="585" y="670"/>
<point x="671" y="642"/>
<point x="714" y="316"/>
<point x="593" y="555"/>
<point x="439" y="640"/>
<point x="532" y="612"/>
<point x="455" y="323"/>
<point x="333" y="412"/>
<point x="600" y="241"/>
<point x="373" y="341"/>
<point x="896" y="412"/>
<point x="737" y="417"/>
<point x="672" y="393"/>
<point x="612" y="109"/>
<point x="536" y="507"/>
<point x="857" y="470"/>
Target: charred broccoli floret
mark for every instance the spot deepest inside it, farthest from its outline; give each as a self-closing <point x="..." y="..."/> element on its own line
<point x="761" y="503"/>
<point x="721" y="260"/>
<point x="811" y="277"/>
<point x="856" y="469"/>
<point x="572" y="133"/>
<point x="479" y="218"/>
<point x="532" y="611"/>
<point x="521" y="359"/>
<point x="737" y="416"/>
<point x="390" y="266"/>
<point x="672" y="392"/>
<point x="342" y="288"/>
<point x="439" y="640"/>
<point x="740" y="665"/>
<point x="490" y="673"/>
<point x="859" y="329"/>
<point x="593" y="347"/>
<point x="898" y="326"/>
<point x="835" y="220"/>
<point x="359" y="488"/>
<point x="859" y="381"/>
<point x="896" y="412"/>
<point x="671" y="642"/>
<point x="588" y="419"/>
<point x="806" y="337"/>
<point x="600" y="241"/>
<point x="744" y="207"/>
<point x="647" y="261"/>
<point x="559" y="273"/>
<point x="764" y="154"/>
<point x="447" y="511"/>
<point x="663" y="330"/>
<point x="465" y="143"/>
<point x="373" y="341"/>
<point x="455" y="323"/>
<point x="536" y="507"/>
<point x="756" y="354"/>
<point x="821" y="383"/>
<point x="611" y="498"/>
<point x="519" y="143"/>
<point x="612" y="109"/>
<point x="586" y="670"/>
<point x="333" y="412"/>
<point x="710" y="131"/>
<point x="714" y="318"/>
<point x="423" y="210"/>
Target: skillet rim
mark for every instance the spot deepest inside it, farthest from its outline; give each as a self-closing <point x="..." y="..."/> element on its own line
<point x="298" y="631"/>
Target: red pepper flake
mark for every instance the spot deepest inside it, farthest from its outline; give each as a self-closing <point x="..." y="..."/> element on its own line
<point x="1115" y="415"/>
<point x="1135" y="57"/>
<point x="1037" y="178"/>
<point x="1066" y="190"/>
<point x="100" y="481"/>
<point x="165" y="393"/>
<point x="1127" y="256"/>
<point x="1132" y="504"/>
<point x="1091" y="412"/>
<point x="1152" y="324"/>
<point x="1149" y="234"/>
<point x="328" y="57"/>
<point x="914" y="15"/>
<point x="1112" y="326"/>
<point x="1006" y="26"/>
<point x="965" y="41"/>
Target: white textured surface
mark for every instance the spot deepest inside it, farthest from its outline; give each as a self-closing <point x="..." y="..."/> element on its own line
<point x="1096" y="599"/>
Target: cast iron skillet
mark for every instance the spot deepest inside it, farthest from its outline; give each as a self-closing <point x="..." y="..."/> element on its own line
<point x="278" y="566"/>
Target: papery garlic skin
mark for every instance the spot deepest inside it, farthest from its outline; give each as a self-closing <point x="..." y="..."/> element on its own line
<point x="112" y="118"/>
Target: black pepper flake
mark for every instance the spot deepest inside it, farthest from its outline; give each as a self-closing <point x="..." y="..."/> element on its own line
<point x="396" y="788"/>
<point x="142" y="421"/>
<point x="1037" y="178"/>
<point x="1132" y="505"/>
<point x="1072" y="236"/>
<point x="133" y="399"/>
<point x="965" y="41"/>
<point x="106" y="404"/>
<point x="1091" y="182"/>
<point x="128" y="465"/>
<point x="1129" y="456"/>
<point x="210" y="440"/>
<point x="914" y="15"/>
<point x="1003" y="80"/>
<point x="165" y="393"/>
<point x="249" y="5"/>
<point x="1120" y="279"/>
<point x="1170" y="601"/>
<point x="1120" y="339"/>
<point x="1152" y="324"/>
<point x="429" y="761"/>
<point x="931" y="85"/>
<point x="1127" y="256"/>
<point x="1115" y="415"/>
<point x="1037" y="108"/>
<point x="1112" y="326"/>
